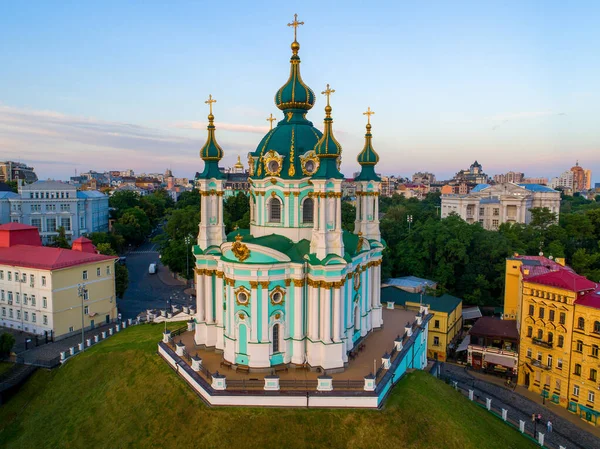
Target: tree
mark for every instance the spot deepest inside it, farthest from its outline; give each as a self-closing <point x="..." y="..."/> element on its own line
<point x="542" y="218"/>
<point x="13" y="185"/>
<point x="348" y="216"/>
<point x="236" y="212"/>
<point x="60" y="240"/>
<point x="7" y="341"/>
<point x="123" y="200"/>
<point x="191" y="198"/>
<point x="133" y="225"/>
<point x="121" y="271"/>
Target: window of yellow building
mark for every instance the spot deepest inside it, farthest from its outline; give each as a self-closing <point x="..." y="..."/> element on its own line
<point x="575" y="390"/>
<point x="540" y="334"/>
<point x="577" y="369"/>
<point x="541" y="313"/>
<point x="549" y="361"/>
<point x="563" y="318"/>
<point x="436" y="324"/>
<point x="551" y="315"/>
<point x="559" y="364"/>
<point x="593" y="374"/>
<point x="550" y="337"/>
<point x="597" y="327"/>
<point x="594" y="351"/>
<point x="579" y="346"/>
<point x="557" y="387"/>
<point x="531" y="310"/>
<point x="591" y="396"/>
<point x="580" y="323"/>
<point x="436" y="341"/>
<point x="528" y="352"/>
<point x="561" y="341"/>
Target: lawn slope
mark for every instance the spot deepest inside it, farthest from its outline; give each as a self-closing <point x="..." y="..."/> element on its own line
<point x="120" y="394"/>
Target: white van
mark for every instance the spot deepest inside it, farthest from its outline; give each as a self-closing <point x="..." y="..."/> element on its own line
<point x="152" y="268"/>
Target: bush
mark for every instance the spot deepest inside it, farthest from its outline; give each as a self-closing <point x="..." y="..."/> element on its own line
<point x="7" y="341"/>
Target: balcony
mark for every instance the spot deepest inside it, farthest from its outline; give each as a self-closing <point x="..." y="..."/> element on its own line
<point x="542" y="343"/>
<point x="539" y="364"/>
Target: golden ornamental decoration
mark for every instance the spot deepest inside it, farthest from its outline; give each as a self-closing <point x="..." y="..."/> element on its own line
<point x="360" y="242"/>
<point x="309" y="163"/>
<point x="292" y="169"/>
<point x="273" y="163"/>
<point x="264" y="284"/>
<point x="277" y="316"/>
<point x="298" y="282"/>
<point x="241" y="315"/>
<point x="242" y="296"/>
<point x="239" y="249"/>
<point x="287" y="282"/>
<point x="277" y="296"/>
<point x="250" y="165"/>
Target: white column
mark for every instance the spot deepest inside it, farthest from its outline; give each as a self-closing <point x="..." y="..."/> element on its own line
<point x="299" y="319"/>
<point x="231" y="311"/>
<point x="326" y="335"/>
<point x="200" y="300"/>
<point x="254" y="314"/>
<point x="219" y="299"/>
<point x="322" y="214"/>
<point x="209" y="298"/>
<point x="337" y="314"/>
<point x="264" y="301"/>
<point x="286" y="210"/>
<point x="313" y="322"/>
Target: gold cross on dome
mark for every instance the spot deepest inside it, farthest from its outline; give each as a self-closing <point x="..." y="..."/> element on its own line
<point x="271" y="119"/>
<point x="369" y="113"/>
<point x="295" y="24"/>
<point x="328" y="92"/>
<point x="210" y="102"/>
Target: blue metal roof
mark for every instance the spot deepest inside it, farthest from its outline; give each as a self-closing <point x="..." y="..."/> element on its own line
<point x="4" y="195"/>
<point x="409" y="282"/>
<point x="480" y="187"/>
<point x="90" y="194"/>
<point x="537" y="188"/>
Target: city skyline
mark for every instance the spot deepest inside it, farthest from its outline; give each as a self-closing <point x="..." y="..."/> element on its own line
<point x="118" y="87"/>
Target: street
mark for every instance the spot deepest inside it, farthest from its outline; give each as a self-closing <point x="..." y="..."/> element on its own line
<point x="148" y="291"/>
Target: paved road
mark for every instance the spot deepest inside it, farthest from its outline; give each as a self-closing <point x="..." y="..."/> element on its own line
<point x="147" y="291"/>
<point x="565" y="433"/>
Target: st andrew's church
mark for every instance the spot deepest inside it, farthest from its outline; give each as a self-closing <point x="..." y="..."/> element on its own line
<point x="295" y="287"/>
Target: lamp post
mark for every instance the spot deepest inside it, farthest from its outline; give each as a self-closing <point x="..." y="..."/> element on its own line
<point x="81" y="294"/>
<point x="188" y="241"/>
<point x="409" y="219"/>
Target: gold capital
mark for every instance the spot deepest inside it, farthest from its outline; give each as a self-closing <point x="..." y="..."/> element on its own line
<point x="210" y="102"/>
<point x="295" y="24"/>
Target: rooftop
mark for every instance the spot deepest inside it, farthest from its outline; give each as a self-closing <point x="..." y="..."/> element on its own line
<point x="565" y="279"/>
<point x="47" y="258"/>
<point x="445" y="303"/>
<point x="409" y="282"/>
<point x="590" y="299"/>
<point x="488" y="326"/>
<point x="47" y="185"/>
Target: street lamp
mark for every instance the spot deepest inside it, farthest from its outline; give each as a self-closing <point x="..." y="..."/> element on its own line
<point x="409" y="219"/>
<point x="188" y="241"/>
<point x="81" y="294"/>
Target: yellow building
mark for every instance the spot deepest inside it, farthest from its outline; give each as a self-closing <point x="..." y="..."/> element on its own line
<point x="558" y="313"/>
<point x="51" y="291"/>
<point x="445" y="324"/>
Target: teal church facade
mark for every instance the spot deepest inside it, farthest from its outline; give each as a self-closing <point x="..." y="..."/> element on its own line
<point x="295" y="287"/>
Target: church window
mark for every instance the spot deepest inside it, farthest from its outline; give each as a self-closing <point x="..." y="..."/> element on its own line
<point x="276" y="297"/>
<point x="276" y="338"/>
<point x="308" y="211"/>
<point x="242" y="298"/>
<point x="275" y="210"/>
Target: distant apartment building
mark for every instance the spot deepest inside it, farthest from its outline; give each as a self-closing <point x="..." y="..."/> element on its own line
<point x="501" y="203"/>
<point x="564" y="181"/>
<point x="412" y="190"/>
<point x="576" y="179"/>
<point x="540" y="181"/>
<point x="348" y="188"/>
<point x="49" y="205"/>
<point x="511" y="176"/>
<point x="53" y="291"/>
<point x="12" y="171"/>
<point x="473" y="175"/>
<point x="423" y="178"/>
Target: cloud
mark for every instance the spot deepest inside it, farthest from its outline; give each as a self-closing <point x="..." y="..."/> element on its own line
<point x="223" y="126"/>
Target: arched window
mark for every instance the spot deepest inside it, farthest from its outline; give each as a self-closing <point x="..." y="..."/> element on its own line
<point x="597" y="327"/>
<point x="577" y="369"/>
<point x="276" y="338"/>
<point x="561" y="341"/>
<point x="540" y="334"/>
<point x="308" y="211"/>
<point x="275" y="210"/>
<point x="580" y="323"/>
<point x="550" y="337"/>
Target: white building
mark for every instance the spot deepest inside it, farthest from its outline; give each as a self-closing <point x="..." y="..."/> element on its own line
<point x="565" y="180"/>
<point x="48" y="205"/>
<point x="502" y="203"/>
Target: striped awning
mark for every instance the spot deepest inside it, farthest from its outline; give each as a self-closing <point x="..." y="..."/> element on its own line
<point x="499" y="359"/>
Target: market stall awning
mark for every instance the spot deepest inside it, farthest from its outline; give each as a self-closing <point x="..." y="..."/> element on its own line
<point x="464" y="344"/>
<point x="499" y="359"/>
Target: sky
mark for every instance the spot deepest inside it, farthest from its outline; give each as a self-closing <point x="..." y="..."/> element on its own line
<point x="114" y="85"/>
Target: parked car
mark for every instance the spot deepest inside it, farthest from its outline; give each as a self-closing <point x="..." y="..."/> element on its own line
<point x="152" y="268"/>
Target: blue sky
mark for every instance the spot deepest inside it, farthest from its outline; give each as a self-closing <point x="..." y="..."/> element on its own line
<point x="107" y="85"/>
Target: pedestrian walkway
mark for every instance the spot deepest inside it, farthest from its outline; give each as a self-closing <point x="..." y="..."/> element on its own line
<point x="572" y="435"/>
<point x="167" y="277"/>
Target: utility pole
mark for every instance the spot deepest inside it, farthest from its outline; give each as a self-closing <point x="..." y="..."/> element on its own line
<point x="188" y="241"/>
<point x="81" y="294"/>
<point x="409" y="219"/>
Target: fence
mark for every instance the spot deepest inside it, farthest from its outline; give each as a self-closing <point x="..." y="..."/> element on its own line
<point x="487" y="401"/>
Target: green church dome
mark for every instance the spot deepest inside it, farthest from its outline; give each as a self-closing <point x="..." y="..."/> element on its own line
<point x="287" y="149"/>
<point x="368" y="158"/>
<point x="294" y="94"/>
<point x="328" y="149"/>
<point x="211" y="153"/>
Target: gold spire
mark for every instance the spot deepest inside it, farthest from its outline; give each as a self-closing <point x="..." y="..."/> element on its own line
<point x="271" y="119"/>
<point x="295" y="24"/>
<point x="369" y="113"/>
<point x="210" y="102"/>
<point x="239" y="163"/>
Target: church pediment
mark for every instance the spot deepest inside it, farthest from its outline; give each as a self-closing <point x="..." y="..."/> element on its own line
<point x="249" y="253"/>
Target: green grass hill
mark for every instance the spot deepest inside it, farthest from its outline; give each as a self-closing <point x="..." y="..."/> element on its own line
<point x="120" y="394"/>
